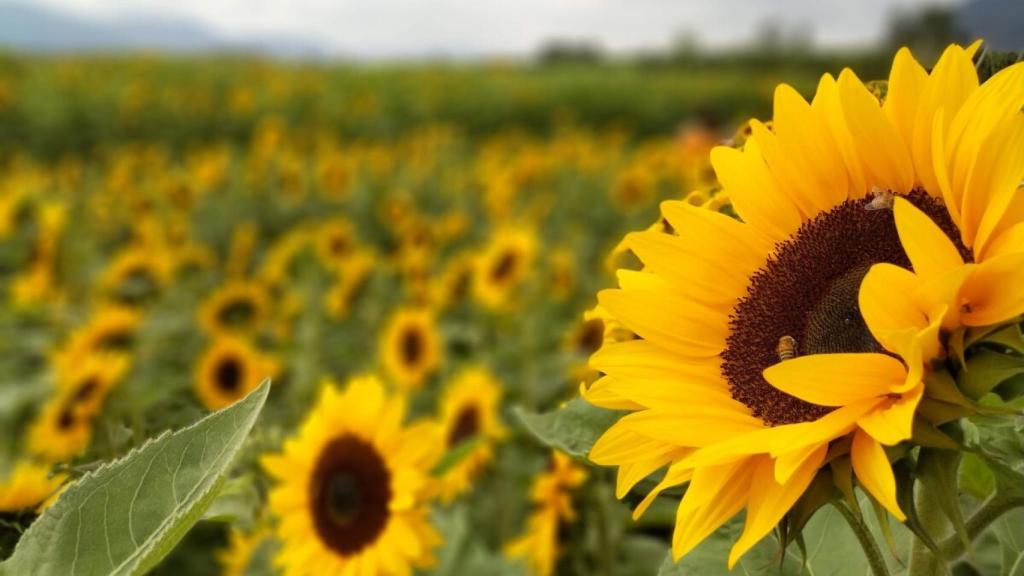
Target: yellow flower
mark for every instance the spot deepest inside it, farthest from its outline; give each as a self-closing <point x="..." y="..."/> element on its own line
<point x="767" y="340"/>
<point x="470" y="411"/>
<point x="503" y="266"/>
<point x="350" y="488"/>
<point x="551" y="494"/>
<point x="109" y="332"/>
<point x="335" y="242"/>
<point x="349" y="278"/>
<point x="229" y="370"/>
<point x="410" y="346"/>
<point x="235" y="559"/>
<point x="238" y="308"/>
<point x="28" y="487"/>
<point x="136" y="276"/>
<point x="61" y="431"/>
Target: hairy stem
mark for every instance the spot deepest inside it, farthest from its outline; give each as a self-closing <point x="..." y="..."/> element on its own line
<point x="989" y="512"/>
<point x="867" y="542"/>
<point x="922" y="560"/>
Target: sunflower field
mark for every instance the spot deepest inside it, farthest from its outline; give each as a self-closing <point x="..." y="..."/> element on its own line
<point x="270" y="318"/>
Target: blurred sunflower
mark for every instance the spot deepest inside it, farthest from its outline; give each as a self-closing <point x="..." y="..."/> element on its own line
<point x="470" y="408"/>
<point x="238" y="308"/>
<point x="452" y="286"/>
<point x="110" y="332"/>
<point x="503" y="265"/>
<point x="28" y="487"/>
<point x="335" y="241"/>
<point x="136" y="276"/>
<point x="89" y="383"/>
<point x="349" y="278"/>
<point x="350" y="487"/>
<point x="410" y="346"/>
<point x="236" y="558"/>
<point x="551" y="494"/>
<point x="230" y="369"/>
<point x="62" y="429"/>
<point x="800" y="331"/>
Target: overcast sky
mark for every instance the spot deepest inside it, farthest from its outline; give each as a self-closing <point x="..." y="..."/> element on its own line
<point x="471" y="27"/>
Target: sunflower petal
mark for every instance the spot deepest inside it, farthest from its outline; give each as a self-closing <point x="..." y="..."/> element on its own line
<point x="837" y="379"/>
<point x="875" y="472"/>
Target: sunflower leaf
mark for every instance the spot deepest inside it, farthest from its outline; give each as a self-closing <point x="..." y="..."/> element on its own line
<point x="573" y="428"/>
<point x="937" y="470"/>
<point x="986" y="370"/>
<point x="127" y="515"/>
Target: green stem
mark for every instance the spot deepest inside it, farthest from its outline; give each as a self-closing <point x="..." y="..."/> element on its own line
<point x="867" y="542"/>
<point x="922" y="560"/>
<point x="988" y="513"/>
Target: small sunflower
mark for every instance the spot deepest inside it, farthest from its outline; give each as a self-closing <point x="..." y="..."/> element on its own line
<point x="350" y="277"/>
<point x="551" y="494"/>
<point x="335" y="241"/>
<point x="236" y="558"/>
<point x="136" y="276"/>
<point x="801" y="333"/>
<point x="110" y="332"/>
<point x="88" y="385"/>
<point x="61" y="431"/>
<point x="452" y="286"/>
<point x="238" y="308"/>
<point x="470" y="410"/>
<point x="29" y="486"/>
<point x="351" y="488"/>
<point x="503" y="266"/>
<point x="230" y="369"/>
<point x="410" y="346"/>
<point x="597" y="328"/>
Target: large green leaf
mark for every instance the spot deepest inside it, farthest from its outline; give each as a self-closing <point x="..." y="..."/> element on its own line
<point x="573" y="428"/>
<point x="127" y="515"/>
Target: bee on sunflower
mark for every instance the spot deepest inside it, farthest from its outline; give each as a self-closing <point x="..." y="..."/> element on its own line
<point x="808" y="333"/>
<point x="238" y="308"/>
<point x="470" y="412"/>
<point x="230" y="369"/>
<point x="351" y="489"/>
<point x="551" y="494"/>
<point x="410" y="346"/>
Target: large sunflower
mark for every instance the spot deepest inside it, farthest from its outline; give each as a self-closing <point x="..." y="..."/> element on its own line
<point x="230" y="369"/>
<point x="806" y="328"/>
<point x="470" y="412"/>
<point x="350" y="488"/>
<point x="410" y="346"/>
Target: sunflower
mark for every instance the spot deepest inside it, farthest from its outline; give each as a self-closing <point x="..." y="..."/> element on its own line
<point x="470" y="412"/>
<point x="452" y="286"/>
<point x="806" y="328"/>
<point x="62" y="429"/>
<point x="551" y="494"/>
<point x="236" y="558"/>
<point x="351" y="487"/>
<point x="89" y="383"/>
<point x="136" y="276"/>
<point x="503" y="266"/>
<point x="410" y="346"/>
<point x="335" y="241"/>
<point x="586" y="338"/>
<point x="349" y="278"/>
<point x="238" y="308"/>
<point x="230" y="369"/>
<point x="29" y="486"/>
<point x="109" y="332"/>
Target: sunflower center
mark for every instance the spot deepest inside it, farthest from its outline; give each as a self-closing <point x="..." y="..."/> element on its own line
<point x="350" y="491"/>
<point x="466" y="426"/>
<point x="804" y="300"/>
<point x="229" y="375"/>
<point x="412" y="346"/>
<point x="86" y="390"/>
<point x="237" y="312"/>
<point x="504" y="267"/>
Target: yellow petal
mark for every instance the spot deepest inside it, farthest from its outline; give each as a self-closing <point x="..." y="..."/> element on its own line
<point x="992" y="292"/>
<point x="887" y="304"/>
<point x="755" y="195"/>
<point x="769" y="500"/>
<point x="930" y="251"/>
<point x="907" y="80"/>
<point x="885" y="160"/>
<point x="891" y="423"/>
<point x="874" y="471"/>
<point x="715" y="495"/>
<point x="837" y="379"/>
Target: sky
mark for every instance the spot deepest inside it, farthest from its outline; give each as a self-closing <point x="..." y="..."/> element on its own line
<point x="401" y="28"/>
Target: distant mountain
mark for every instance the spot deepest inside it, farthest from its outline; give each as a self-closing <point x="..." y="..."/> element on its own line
<point x="31" y="28"/>
<point x="999" y="22"/>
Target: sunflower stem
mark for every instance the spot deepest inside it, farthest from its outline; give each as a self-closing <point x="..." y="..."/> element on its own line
<point x="867" y="542"/>
<point x="923" y="561"/>
<point x="989" y="512"/>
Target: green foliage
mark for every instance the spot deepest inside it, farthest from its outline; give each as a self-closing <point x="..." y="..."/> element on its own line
<point x="127" y="515"/>
<point x="573" y="428"/>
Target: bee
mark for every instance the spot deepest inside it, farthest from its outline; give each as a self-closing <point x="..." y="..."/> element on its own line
<point x="786" y="348"/>
<point x="880" y="199"/>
